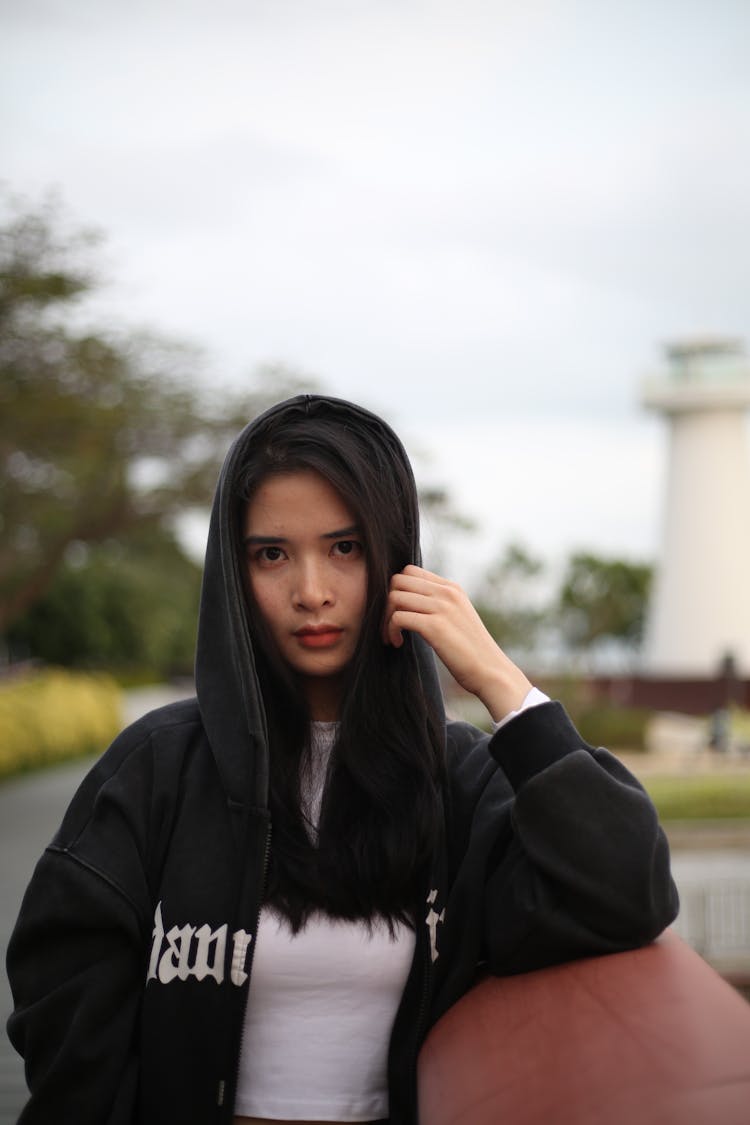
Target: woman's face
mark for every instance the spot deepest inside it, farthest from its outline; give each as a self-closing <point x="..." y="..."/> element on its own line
<point x="306" y="564"/>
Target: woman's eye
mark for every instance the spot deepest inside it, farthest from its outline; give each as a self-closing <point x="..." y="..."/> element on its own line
<point x="269" y="554"/>
<point x="347" y="547"/>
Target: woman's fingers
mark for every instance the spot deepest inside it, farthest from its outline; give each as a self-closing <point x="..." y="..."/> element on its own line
<point x="432" y="606"/>
<point x="417" y="578"/>
<point x="442" y="614"/>
<point x="414" y="594"/>
<point x="410" y="591"/>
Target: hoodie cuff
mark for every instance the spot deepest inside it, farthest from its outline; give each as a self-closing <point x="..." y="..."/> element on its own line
<point x="537" y="738"/>
<point x="533" y="698"/>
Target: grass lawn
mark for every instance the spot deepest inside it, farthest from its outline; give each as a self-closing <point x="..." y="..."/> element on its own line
<point x="697" y="797"/>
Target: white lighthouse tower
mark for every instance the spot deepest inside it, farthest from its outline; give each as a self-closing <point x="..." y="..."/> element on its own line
<point x="700" y="609"/>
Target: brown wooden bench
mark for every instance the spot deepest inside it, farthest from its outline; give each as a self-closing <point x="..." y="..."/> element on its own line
<point x="649" y="1037"/>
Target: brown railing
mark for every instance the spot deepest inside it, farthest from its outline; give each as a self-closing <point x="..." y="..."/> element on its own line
<point x="649" y="1037"/>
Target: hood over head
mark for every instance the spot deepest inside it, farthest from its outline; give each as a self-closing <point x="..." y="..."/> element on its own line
<point x="227" y="684"/>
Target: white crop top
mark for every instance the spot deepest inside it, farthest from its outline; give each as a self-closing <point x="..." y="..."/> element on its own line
<point x="321" y="1006"/>
<point x="318" y="1020"/>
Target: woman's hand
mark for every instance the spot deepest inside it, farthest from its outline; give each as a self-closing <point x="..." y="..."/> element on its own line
<point x="442" y="614"/>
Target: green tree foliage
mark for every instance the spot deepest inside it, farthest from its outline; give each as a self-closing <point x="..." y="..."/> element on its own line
<point x="603" y="599"/>
<point x="101" y="434"/>
<point x="510" y="598"/>
<point x="130" y="608"/>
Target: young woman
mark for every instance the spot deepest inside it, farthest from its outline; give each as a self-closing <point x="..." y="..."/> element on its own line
<point x="259" y="901"/>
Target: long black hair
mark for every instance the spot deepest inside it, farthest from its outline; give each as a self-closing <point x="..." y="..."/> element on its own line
<point x="380" y="817"/>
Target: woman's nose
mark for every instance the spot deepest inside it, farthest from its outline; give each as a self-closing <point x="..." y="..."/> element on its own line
<point x="312" y="589"/>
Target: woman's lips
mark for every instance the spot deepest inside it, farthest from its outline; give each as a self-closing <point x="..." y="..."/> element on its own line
<point x="320" y="637"/>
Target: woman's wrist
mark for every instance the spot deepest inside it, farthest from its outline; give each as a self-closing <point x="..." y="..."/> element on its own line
<point x="504" y="692"/>
<point x="532" y="699"/>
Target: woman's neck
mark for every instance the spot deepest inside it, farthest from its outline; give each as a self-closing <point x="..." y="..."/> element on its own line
<point x="323" y="695"/>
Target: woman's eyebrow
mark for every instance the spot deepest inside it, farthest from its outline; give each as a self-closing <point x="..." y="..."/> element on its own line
<point x="353" y="530"/>
<point x="264" y="539"/>
<point x="340" y="533"/>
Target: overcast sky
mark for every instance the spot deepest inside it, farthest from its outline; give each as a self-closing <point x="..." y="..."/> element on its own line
<point x="481" y="218"/>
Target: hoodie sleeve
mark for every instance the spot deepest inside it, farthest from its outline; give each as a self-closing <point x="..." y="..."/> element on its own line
<point x="76" y="961"/>
<point x="573" y="859"/>
<point x="76" y="974"/>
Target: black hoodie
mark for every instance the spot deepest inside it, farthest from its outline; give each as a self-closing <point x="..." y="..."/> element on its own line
<point x="131" y="957"/>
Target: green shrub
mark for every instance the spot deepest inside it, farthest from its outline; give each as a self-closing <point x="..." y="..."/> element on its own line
<point x="617" y="728"/>
<point x="54" y="715"/>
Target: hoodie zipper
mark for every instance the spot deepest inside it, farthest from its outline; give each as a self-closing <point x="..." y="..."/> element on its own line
<point x="420" y="1023"/>
<point x="428" y="971"/>
<point x="220" y="1097"/>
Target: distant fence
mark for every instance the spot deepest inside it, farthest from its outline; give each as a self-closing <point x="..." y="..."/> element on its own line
<point x="699" y="696"/>
<point x="714" y="920"/>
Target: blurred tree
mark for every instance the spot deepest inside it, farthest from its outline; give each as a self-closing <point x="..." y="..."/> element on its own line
<point x="603" y="599"/>
<point x="440" y="521"/>
<point x="436" y="504"/>
<point x="509" y="600"/>
<point x="100" y="434"/>
<point x="129" y="608"/>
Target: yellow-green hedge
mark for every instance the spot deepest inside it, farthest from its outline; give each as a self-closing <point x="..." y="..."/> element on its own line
<point x="53" y="715"/>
